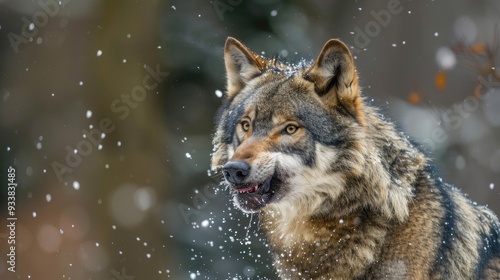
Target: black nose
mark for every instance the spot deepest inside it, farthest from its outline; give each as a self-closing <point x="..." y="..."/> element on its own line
<point x="236" y="172"/>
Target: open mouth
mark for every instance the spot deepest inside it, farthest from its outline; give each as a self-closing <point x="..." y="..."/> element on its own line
<point x="262" y="188"/>
<point x="251" y="197"/>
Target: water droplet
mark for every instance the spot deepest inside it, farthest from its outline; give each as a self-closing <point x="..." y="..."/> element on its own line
<point x="76" y="185"/>
<point x="465" y="29"/>
<point x="99" y="52"/>
<point x="445" y="58"/>
<point x="88" y="114"/>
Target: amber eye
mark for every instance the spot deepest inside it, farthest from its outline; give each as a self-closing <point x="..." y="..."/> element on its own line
<point x="291" y="129"/>
<point x="245" y="125"/>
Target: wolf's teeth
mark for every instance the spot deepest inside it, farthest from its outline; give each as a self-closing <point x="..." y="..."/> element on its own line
<point x="248" y="190"/>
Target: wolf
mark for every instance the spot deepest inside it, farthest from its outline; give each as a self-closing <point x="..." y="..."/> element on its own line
<point x="340" y="193"/>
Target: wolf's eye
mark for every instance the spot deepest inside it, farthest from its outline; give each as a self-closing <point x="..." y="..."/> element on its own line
<point x="245" y="125"/>
<point x="291" y="129"/>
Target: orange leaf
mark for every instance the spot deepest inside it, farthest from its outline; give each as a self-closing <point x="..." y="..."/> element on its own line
<point x="440" y="80"/>
<point x="478" y="48"/>
<point x="414" y="98"/>
<point x="477" y="91"/>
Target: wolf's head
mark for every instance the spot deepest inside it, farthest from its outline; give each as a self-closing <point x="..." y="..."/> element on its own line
<point x="300" y="138"/>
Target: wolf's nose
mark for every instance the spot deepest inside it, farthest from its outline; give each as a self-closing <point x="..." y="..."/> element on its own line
<point x="235" y="172"/>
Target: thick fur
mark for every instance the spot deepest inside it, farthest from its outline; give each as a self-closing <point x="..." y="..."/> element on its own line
<point x="347" y="195"/>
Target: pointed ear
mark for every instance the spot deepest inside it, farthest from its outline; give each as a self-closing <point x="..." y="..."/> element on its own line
<point x="241" y="65"/>
<point x="335" y="79"/>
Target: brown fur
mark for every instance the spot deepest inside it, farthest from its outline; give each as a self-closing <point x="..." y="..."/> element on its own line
<point x="365" y="205"/>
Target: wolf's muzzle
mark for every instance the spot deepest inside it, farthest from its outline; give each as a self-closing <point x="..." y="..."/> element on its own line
<point x="236" y="172"/>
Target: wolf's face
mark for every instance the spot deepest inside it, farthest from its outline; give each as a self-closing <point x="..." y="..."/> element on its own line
<point x="300" y="137"/>
<point x="283" y="128"/>
<point x="274" y="132"/>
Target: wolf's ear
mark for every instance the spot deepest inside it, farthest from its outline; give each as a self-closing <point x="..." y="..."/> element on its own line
<point x="241" y="65"/>
<point x="335" y="78"/>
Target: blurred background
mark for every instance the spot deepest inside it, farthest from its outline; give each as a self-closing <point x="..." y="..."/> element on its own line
<point x="106" y="115"/>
